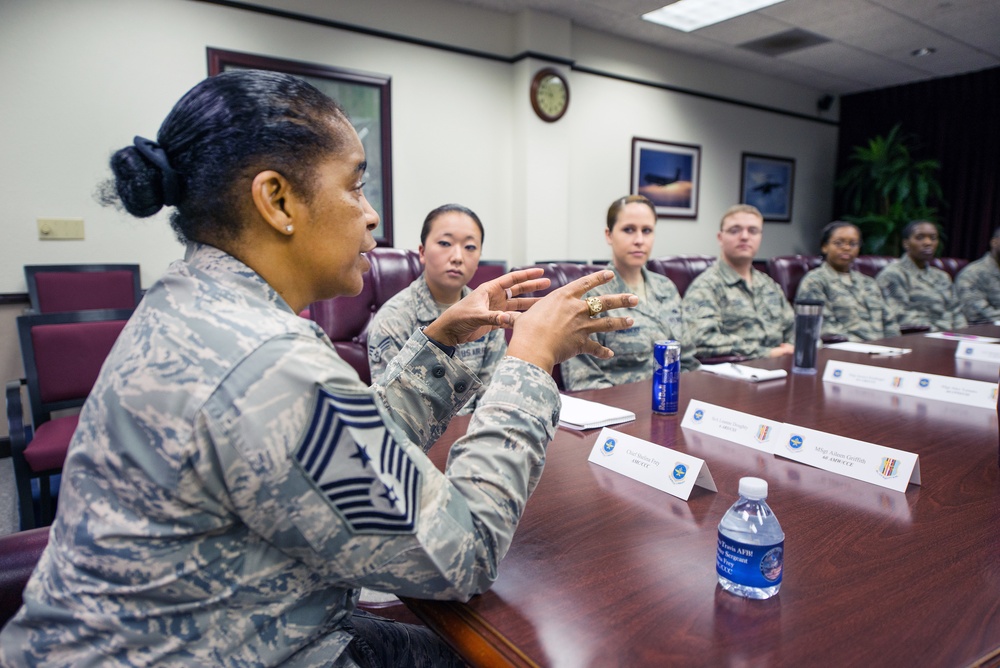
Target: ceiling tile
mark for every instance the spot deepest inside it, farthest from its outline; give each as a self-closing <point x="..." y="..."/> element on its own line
<point x="872" y="39"/>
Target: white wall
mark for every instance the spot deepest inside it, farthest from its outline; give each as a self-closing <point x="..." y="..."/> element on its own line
<point x="81" y="78"/>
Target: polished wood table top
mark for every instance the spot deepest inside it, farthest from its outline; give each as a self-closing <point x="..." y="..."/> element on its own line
<point x="606" y="571"/>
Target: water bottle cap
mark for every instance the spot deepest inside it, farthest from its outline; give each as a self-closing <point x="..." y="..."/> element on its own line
<point x="753" y="488"/>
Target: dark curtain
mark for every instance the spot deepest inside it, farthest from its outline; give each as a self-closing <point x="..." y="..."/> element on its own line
<point x="955" y="121"/>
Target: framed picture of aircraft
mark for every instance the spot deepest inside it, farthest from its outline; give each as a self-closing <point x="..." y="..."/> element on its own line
<point x="366" y="99"/>
<point x="668" y="174"/>
<point x="766" y="182"/>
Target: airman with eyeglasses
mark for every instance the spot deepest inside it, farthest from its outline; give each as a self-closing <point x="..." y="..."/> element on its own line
<point x="733" y="309"/>
<point x="853" y="306"/>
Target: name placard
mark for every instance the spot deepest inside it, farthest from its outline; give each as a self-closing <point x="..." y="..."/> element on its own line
<point x="956" y="390"/>
<point x="743" y="428"/>
<point x="667" y="470"/>
<point x="963" y="391"/>
<point x="868" y="462"/>
<point x="984" y="352"/>
<point x="863" y="375"/>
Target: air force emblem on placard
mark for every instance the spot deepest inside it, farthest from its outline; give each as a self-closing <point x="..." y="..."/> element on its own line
<point x="367" y="477"/>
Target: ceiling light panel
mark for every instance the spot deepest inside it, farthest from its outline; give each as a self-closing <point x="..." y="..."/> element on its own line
<point x="688" y="15"/>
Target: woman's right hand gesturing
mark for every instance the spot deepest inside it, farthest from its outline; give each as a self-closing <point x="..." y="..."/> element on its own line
<point x="559" y="325"/>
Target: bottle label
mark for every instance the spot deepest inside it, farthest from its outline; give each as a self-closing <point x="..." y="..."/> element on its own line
<point x="750" y="565"/>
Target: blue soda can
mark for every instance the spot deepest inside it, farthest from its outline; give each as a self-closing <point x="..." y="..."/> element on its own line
<point x="666" y="376"/>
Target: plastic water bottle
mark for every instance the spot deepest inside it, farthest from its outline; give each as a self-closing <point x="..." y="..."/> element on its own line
<point x="751" y="551"/>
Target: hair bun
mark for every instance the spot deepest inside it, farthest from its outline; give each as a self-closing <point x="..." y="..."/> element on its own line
<point x="138" y="182"/>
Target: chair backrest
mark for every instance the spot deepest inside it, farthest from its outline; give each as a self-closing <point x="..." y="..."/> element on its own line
<point x="788" y="270"/>
<point x="870" y="265"/>
<point x="53" y="288"/>
<point x="487" y="271"/>
<point x="952" y="265"/>
<point x="559" y="273"/>
<point x="345" y="319"/>
<point x="63" y="354"/>
<point x="681" y="269"/>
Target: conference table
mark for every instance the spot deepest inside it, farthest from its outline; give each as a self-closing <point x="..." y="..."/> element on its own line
<point x="607" y="571"/>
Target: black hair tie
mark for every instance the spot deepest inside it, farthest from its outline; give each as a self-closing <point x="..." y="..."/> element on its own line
<point x="156" y="155"/>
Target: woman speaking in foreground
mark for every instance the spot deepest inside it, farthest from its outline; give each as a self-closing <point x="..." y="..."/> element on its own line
<point x="232" y="484"/>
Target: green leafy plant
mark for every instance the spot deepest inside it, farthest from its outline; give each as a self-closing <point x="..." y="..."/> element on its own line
<point x="884" y="187"/>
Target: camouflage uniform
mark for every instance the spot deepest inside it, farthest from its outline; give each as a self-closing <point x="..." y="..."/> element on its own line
<point x="414" y="307"/>
<point x="232" y="485"/>
<point x="657" y="317"/>
<point x="725" y="316"/>
<point x="854" y="309"/>
<point x="978" y="288"/>
<point x="920" y="297"/>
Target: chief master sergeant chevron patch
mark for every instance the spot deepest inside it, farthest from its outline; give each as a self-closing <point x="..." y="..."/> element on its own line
<point x="369" y="480"/>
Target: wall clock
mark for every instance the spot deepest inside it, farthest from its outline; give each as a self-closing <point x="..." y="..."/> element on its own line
<point x="549" y="94"/>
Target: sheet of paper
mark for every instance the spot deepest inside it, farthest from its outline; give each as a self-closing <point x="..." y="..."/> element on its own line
<point x="743" y="428"/>
<point x="952" y="336"/>
<point x="667" y="470"/>
<point x="869" y="348"/>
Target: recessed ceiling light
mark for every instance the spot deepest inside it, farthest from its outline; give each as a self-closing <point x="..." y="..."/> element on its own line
<point x="688" y="15"/>
<point x="923" y="51"/>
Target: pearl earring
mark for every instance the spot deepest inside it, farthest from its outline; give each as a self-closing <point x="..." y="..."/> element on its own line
<point x="289" y="228"/>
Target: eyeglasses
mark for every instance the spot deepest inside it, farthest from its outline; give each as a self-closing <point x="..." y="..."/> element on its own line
<point x="737" y="230"/>
<point x="843" y="243"/>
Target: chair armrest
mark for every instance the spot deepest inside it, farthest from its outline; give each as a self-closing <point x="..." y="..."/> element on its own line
<point x="20" y="433"/>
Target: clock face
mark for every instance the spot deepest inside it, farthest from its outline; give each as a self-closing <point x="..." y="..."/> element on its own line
<point x="549" y="95"/>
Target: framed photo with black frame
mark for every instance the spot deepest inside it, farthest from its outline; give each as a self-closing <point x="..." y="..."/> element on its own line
<point x="365" y="97"/>
<point x="767" y="182"/>
<point x="668" y="174"/>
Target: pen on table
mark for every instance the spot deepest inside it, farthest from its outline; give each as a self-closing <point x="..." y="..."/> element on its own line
<point x="737" y="368"/>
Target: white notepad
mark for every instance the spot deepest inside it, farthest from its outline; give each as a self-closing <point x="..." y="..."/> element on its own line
<point x="579" y="414"/>
<point x="742" y="372"/>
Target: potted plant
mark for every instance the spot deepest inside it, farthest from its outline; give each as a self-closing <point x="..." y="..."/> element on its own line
<point x="884" y="187"/>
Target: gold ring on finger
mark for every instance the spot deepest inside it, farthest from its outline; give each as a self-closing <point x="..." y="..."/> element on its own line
<point x="595" y="306"/>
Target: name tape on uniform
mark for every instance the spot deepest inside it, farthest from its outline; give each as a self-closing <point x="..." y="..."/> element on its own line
<point x="667" y="470"/>
<point x="742" y="428"/>
<point x="913" y="383"/>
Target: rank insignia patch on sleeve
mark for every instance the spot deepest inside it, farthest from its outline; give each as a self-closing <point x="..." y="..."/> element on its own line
<point x="364" y="473"/>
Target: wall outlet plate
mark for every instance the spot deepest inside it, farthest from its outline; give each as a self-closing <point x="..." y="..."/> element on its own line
<point x="60" y="228"/>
